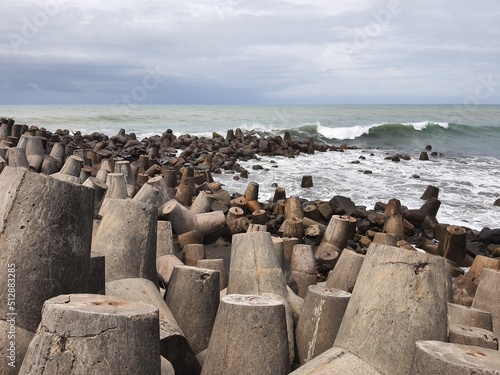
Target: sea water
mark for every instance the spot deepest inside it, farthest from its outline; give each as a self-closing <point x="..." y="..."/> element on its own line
<point x="467" y="139"/>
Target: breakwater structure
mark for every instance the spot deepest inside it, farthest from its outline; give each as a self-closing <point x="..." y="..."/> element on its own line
<point x="126" y="256"/>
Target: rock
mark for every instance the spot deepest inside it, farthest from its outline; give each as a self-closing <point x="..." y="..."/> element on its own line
<point x="342" y="205"/>
<point x="489" y="236"/>
<point x="326" y="210"/>
<point x="434" y="357"/>
<point x="307" y="182"/>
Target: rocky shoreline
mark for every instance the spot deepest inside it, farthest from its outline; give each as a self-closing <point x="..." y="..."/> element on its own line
<point x="151" y="211"/>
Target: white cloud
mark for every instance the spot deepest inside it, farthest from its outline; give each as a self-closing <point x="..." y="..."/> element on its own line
<point x="308" y="50"/>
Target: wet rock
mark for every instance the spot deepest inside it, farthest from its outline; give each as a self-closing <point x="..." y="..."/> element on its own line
<point x="476" y="248"/>
<point x="342" y="205"/>
<point x="489" y="236"/>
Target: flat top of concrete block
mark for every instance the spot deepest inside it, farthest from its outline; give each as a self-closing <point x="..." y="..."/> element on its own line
<point x="480" y="358"/>
<point x="470" y="331"/>
<point x="335" y="361"/>
<point x="169" y="206"/>
<point x="100" y="304"/>
<point x="330" y="292"/>
<point x="277" y="240"/>
<point x="490" y="271"/>
<point x="250" y="300"/>
<point x="198" y="269"/>
<point x="468" y="308"/>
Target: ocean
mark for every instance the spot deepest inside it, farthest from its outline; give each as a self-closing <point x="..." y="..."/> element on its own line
<point x="467" y="139"/>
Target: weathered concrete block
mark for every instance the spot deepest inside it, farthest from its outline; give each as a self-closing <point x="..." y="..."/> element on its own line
<point x="346" y="271"/>
<point x="249" y="337"/>
<point x="173" y="344"/>
<point x="193" y="298"/>
<point x="94" y="334"/>
<point x="469" y="316"/>
<point x="127" y="238"/>
<point x="44" y="243"/>
<point x="336" y="361"/>
<point x="319" y="321"/>
<point x="473" y="336"/>
<point x="486" y="297"/>
<point x="400" y="297"/>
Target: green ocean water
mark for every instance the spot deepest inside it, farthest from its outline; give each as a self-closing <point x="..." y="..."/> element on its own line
<point x="472" y="130"/>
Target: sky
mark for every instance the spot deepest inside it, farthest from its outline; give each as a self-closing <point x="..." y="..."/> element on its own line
<point x="250" y="52"/>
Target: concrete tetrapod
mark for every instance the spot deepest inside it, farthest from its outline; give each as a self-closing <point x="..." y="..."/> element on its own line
<point x="94" y="334"/>
<point x="45" y="241"/>
<point x="336" y="361"/>
<point x="254" y="269"/>
<point x="249" y="337"/>
<point x="165" y="266"/>
<point x="70" y="171"/>
<point x="302" y="269"/>
<point x="480" y="263"/>
<point x="469" y="316"/>
<point x="173" y="344"/>
<point x="339" y="230"/>
<point x="193" y="298"/>
<point x="193" y="253"/>
<point x="164" y="239"/>
<point x="210" y="222"/>
<point x="346" y="271"/>
<point x="127" y="238"/>
<point x="217" y="265"/>
<point x="435" y="357"/>
<point x="486" y="297"/>
<point x="16" y="158"/>
<point x="13" y="350"/>
<point x="467" y="335"/>
<point x="400" y="297"/>
<point x="97" y="274"/>
<point x="319" y="321"/>
<point x="181" y="218"/>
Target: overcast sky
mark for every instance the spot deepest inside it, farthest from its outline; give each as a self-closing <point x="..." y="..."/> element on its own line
<point x="249" y="51"/>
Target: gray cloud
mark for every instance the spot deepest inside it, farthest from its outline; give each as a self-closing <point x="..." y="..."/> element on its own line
<point x="237" y="51"/>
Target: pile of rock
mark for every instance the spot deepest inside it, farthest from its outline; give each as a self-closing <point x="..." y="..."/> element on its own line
<point x="108" y="253"/>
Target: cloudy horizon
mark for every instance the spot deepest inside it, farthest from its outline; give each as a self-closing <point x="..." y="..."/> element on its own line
<point x="242" y="52"/>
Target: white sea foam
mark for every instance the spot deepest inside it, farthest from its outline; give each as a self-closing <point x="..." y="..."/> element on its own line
<point x="467" y="198"/>
<point x="351" y="132"/>
<point x="424" y="124"/>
